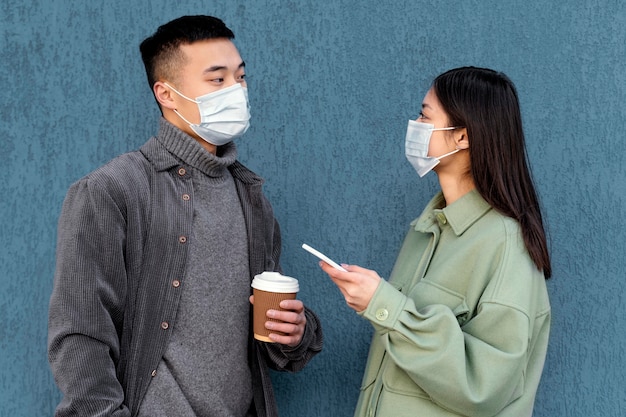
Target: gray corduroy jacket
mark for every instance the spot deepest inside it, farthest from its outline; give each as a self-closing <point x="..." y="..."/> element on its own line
<point x="121" y="253"/>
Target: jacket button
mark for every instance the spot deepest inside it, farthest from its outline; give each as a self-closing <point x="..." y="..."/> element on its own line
<point x="176" y="283"/>
<point x="153" y="373"/>
<point x="186" y="197"/>
<point x="382" y="314"/>
<point x="442" y="218"/>
<point x="182" y="171"/>
<point x="165" y="325"/>
<point x="182" y="239"/>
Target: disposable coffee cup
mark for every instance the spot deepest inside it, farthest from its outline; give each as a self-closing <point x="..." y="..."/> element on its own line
<point x="269" y="289"/>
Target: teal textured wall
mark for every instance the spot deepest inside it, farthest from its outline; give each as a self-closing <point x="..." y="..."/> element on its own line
<point x="332" y="84"/>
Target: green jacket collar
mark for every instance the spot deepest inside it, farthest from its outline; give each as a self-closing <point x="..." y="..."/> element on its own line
<point x="459" y="215"/>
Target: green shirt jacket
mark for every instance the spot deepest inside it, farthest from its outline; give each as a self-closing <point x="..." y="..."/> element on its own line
<point x="462" y="325"/>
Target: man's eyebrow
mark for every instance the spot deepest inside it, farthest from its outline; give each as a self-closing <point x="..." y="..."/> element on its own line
<point x="222" y="67"/>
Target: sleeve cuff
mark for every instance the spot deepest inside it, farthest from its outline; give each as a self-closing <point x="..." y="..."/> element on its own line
<point x="311" y="344"/>
<point x="385" y="307"/>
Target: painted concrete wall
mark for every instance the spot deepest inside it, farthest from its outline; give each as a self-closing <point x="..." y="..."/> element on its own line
<point x="332" y="84"/>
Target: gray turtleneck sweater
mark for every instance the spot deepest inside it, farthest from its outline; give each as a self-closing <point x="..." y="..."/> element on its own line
<point x="204" y="371"/>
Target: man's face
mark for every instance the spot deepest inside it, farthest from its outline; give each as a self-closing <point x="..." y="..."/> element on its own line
<point x="211" y="65"/>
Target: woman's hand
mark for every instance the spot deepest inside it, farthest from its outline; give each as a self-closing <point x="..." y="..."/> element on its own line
<point x="357" y="285"/>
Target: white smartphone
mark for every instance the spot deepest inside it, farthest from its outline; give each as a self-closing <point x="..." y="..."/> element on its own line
<point x="322" y="257"/>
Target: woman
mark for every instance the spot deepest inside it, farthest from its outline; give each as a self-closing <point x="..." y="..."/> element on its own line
<point x="462" y="324"/>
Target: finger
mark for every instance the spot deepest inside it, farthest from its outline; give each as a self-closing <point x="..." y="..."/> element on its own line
<point x="292" y="305"/>
<point x="341" y="285"/>
<point x="332" y="271"/>
<point x="289" y="340"/>
<point x="286" y="316"/>
<point x="361" y="270"/>
<point x="284" y="327"/>
<point x="290" y="334"/>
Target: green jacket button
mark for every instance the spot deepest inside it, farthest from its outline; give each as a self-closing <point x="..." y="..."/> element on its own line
<point x="382" y="314"/>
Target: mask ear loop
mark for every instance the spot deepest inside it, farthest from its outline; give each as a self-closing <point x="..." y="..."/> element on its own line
<point x="457" y="149"/>
<point x="181" y="116"/>
<point x="181" y="94"/>
<point x="447" y="154"/>
<point x="185" y="97"/>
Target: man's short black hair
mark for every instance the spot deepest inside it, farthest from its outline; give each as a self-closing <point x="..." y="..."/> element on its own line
<point x="160" y="52"/>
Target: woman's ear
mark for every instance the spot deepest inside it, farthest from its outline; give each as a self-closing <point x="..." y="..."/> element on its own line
<point x="461" y="138"/>
<point x="163" y="94"/>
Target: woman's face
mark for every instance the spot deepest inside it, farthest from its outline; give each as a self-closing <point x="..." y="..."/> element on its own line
<point x="432" y="112"/>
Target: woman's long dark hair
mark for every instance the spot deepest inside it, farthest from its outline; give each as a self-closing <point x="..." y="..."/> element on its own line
<point x="486" y="103"/>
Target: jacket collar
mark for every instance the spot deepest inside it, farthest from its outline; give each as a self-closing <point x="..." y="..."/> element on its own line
<point x="466" y="211"/>
<point x="460" y="215"/>
<point x="163" y="159"/>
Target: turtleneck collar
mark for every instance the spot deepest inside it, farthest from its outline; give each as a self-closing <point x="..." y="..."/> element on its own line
<point x="189" y="151"/>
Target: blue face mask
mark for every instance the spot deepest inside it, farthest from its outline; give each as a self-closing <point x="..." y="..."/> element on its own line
<point x="416" y="146"/>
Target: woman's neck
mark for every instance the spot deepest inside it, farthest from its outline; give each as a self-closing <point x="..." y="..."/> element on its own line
<point x="455" y="187"/>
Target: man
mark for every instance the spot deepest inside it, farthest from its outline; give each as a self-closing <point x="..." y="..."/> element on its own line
<point x="150" y="312"/>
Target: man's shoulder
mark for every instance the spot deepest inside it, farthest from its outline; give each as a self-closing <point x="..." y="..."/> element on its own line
<point x="124" y="166"/>
<point x="125" y="175"/>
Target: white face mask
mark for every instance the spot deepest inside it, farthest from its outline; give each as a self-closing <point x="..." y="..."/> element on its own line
<point x="416" y="146"/>
<point x="224" y="114"/>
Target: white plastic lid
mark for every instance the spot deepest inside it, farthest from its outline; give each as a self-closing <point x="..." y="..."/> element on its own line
<point x="275" y="282"/>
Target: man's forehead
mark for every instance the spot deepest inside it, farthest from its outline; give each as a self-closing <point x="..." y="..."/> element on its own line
<point x="212" y="55"/>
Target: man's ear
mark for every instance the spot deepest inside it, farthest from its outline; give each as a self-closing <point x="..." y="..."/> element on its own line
<point x="461" y="138"/>
<point x="163" y="94"/>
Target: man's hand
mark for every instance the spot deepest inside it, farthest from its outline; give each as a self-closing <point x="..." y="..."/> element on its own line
<point x="291" y="322"/>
